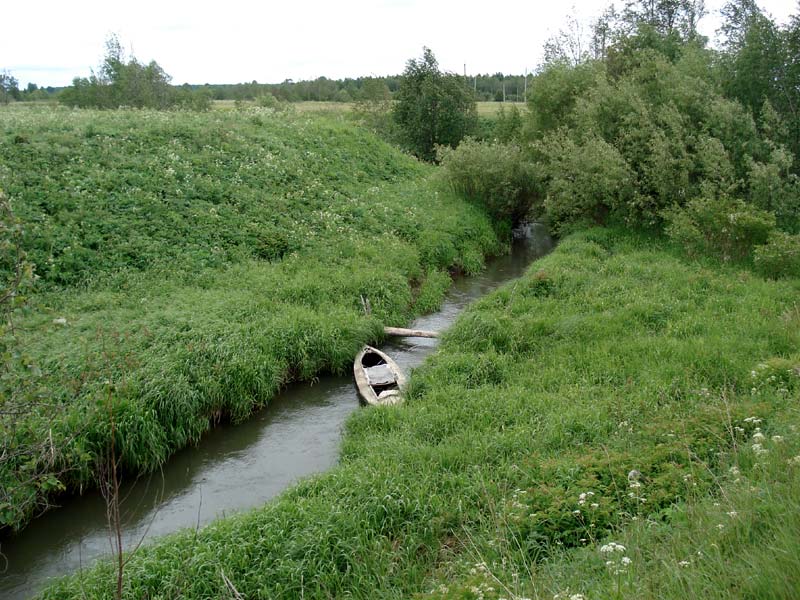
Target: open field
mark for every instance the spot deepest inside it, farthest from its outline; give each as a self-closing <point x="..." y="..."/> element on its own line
<point x="616" y="393"/>
<point x="485" y="109"/>
<point x="191" y="265"/>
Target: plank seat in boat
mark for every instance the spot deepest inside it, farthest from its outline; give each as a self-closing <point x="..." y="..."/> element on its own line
<point x="380" y="375"/>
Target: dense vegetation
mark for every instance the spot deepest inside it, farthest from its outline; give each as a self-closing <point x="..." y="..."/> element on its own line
<point x="432" y="108"/>
<point x="124" y="81"/>
<point x="487" y="88"/>
<point x="622" y="421"/>
<point x="602" y="397"/>
<point x="654" y="119"/>
<point x="191" y="264"/>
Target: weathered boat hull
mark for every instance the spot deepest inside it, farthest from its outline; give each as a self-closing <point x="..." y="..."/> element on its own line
<point x="382" y="391"/>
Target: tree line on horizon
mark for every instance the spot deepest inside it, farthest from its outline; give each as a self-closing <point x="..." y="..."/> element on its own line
<point x="497" y="87"/>
<point x="95" y="91"/>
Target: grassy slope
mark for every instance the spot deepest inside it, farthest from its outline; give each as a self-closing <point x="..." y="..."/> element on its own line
<point x="610" y="355"/>
<point x="203" y="261"/>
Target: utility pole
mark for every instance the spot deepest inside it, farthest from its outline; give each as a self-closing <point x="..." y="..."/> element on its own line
<point x="504" y="92"/>
<point x="525" y="87"/>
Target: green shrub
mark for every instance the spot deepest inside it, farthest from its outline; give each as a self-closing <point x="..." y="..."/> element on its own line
<point x="508" y="125"/>
<point x="494" y="174"/>
<point x="780" y="256"/>
<point x="587" y="180"/>
<point x="725" y="228"/>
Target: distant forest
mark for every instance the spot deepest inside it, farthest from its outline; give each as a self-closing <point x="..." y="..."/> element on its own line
<point x="497" y="87"/>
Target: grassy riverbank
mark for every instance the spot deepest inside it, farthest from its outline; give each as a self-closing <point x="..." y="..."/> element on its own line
<point x="616" y="393"/>
<point x="192" y="264"/>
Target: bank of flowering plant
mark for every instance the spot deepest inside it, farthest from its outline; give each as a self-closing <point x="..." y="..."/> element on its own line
<point x="777" y="374"/>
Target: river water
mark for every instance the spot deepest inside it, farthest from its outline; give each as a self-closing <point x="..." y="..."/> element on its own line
<point x="234" y="467"/>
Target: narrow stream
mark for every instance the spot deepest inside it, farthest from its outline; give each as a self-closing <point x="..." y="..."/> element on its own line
<point x="234" y="467"/>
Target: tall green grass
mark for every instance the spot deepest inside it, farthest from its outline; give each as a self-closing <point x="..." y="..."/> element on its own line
<point x="193" y="264"/>
<point x="603" y="397"/>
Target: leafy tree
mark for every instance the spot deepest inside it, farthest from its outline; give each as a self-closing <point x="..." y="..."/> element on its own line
<point x="433" y="107"/>
<point x="8" y="87"/>
<point x="754" y="55"/>
<point x="125" y="81"/>
<point x="570" y="45"/>
<point x="554" y="91"/>
<point x="761" y="63"/>
<point x="666" y="17"/>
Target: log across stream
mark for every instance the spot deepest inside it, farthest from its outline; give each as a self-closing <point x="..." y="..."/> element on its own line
<point x="234" y="467"/>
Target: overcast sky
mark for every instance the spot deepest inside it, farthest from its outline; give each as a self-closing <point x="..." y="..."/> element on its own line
<point x="49" y="42"/>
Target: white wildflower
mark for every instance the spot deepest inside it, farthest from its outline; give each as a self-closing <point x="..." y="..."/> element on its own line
<point x="612" y="547"/>
<point x="684" y="563"/>
<point x="777" y="439"/>
<point x="60" y="321"/>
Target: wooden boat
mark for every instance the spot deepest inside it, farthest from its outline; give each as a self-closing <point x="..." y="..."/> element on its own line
<point x="378" y="378"/>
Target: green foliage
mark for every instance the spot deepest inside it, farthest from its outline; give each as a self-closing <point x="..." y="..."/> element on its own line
<point x="760" y="64"/>
<point x="776" y="374"/>
<point x="493" y="174"/>
<point x="373" y="109"/>
<point x="725" y="228"/>
<point x="202" y="261"/>
<point x="30" y="464"/>
<point x="9" y="89"/>
<point x="779" y="257"/>
<point x="773" y="187"/>
<point x="508" y="125"/>
<point x="127" y="82"/>
<point x="553" y="93"/>
<point x="585" y="182"/>
<point x="432" y="108"/>
<point x="515" y="456"/>
<point x="268" y="101"/>
<point x="669" y="134"/>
